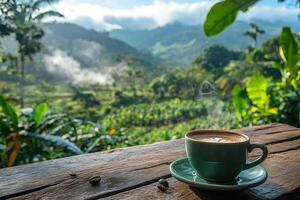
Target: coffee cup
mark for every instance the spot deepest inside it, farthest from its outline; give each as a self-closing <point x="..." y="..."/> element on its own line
<point x="219" y="156"/>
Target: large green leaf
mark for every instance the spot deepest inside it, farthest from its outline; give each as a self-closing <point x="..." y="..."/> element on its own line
<point x="240" y="102"/>
<point x="39" y="113"/>
<point x="289" y="48"/>
<point x="257" y="91"/>
<point x="223" y="14"/>
<point x="58" y="130"/>
<point x="9" y="112"/>
<point x="57" y="141"/>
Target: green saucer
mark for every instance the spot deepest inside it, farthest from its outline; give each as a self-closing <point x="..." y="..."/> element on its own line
<point x="182" y="170"/>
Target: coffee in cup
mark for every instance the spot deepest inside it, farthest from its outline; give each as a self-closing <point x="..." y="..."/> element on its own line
<point x="218" y="155"/>
<point x="219" y="138"/>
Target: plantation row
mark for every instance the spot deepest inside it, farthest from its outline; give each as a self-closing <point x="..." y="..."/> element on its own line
<point x="157" y="114"/>
<point x="123" y="137"/>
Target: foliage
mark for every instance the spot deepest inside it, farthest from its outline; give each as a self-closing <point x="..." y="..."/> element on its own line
<point x="240" y="102"/>
<point x="24" y="134"/>
<point x="253" y="34"/>
<point x="268" y="101"/>
<point x="223" y="14"/>
<point x="268" y="52"/>
<point x="23" y="19"/>
<point x="289" y="52"/>
<point x="89" y="99"/>
<point x="145" y="135"/>
<point x="127" y="97"/>
<point x="156" y="114"/>
<point x="238" y="73"/>
<point x="273" y="101"/>
<point x="215" y="58"/>
<point x="180" y="83"/>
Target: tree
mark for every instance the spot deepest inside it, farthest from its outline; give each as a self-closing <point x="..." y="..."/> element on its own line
<point x="215" y="58"/>
<point x="25" y="19"/>
<point x="159" y="86"/>
<point x="253" y="33"/>
<point x="269" y="51"/>
<point x="132" y="77"/>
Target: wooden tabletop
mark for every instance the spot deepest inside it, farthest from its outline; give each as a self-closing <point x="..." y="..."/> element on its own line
<point x="132" y="173"/>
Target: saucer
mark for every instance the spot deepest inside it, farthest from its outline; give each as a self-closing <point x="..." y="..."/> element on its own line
<point x="183" y="171"/>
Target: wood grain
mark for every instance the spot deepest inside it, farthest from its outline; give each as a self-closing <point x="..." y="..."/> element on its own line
<point x="130" y="173"/>
<point x="281" y="179"/>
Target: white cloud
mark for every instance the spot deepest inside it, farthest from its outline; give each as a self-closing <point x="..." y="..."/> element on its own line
<point x="158" y="13"/>
<point x="271" y="14"/>
<point x="64" y="66"/>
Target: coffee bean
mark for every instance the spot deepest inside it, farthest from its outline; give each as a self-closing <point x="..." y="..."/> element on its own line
<point x="163" y="182"/>
<point x="73" y="175"/>
<point x="95" y="180"/>
<point x="161" y="187"/>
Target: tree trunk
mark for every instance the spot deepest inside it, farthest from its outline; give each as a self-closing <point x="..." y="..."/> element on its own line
<point x="22" y="81"/>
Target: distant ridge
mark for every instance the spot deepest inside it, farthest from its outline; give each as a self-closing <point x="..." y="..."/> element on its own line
<point x="181" y="44"/>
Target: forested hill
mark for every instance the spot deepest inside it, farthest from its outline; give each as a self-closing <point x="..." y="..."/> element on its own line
<point x="181" y="44"/>
<point x="99" y="48"/>
<point x="72" y="32"/>
<point x="72" y="53"/>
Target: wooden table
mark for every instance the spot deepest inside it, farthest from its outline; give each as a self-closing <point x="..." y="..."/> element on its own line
<point x="132" y="173"/>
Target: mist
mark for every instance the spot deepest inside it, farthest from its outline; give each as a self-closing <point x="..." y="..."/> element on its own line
<point x="60" y="64"/>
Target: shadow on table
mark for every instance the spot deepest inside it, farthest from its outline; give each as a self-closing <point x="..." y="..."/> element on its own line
<point x="268" y="190"/>
<point x="221" y="195"/>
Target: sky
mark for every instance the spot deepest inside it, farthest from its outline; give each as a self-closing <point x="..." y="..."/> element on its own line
<point x="150" y="14"/>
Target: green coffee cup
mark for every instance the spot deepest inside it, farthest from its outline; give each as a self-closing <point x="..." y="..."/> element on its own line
<point x="218" y="155"/>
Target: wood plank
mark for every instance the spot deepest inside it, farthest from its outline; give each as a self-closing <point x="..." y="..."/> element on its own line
<point x="266" y="129"/>
<point x="114" y="168"/>
<point x="121" y="170"/>
<point x="284" y="146"/>
<point x="283" y="178"/>
<point x="279" y="137"/>
<point x="178" y="190"/>
<point x="153" y="171"/>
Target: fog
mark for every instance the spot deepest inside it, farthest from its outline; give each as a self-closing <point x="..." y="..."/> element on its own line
<point x="59" y="63"/>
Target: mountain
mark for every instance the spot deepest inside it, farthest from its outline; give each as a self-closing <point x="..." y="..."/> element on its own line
<point x="180" y="44"/>
<point x="75" y="54"/>
<point x="95" y="46"/>
<point x="72" y="53"/>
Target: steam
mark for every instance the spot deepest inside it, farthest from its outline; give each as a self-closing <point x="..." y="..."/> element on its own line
<point x="218" y="114"/>
<point x="64" y="66"/>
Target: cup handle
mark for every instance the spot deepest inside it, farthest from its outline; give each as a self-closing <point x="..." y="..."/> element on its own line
<point x="264" y="155"/>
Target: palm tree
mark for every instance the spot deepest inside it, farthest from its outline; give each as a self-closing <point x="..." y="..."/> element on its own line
<point x="132" y="75"/>
<point x="26" y="20"/>
<point x="253" y="33"/>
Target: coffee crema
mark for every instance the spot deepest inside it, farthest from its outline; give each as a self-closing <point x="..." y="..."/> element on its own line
<point x="218" y="138"/>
